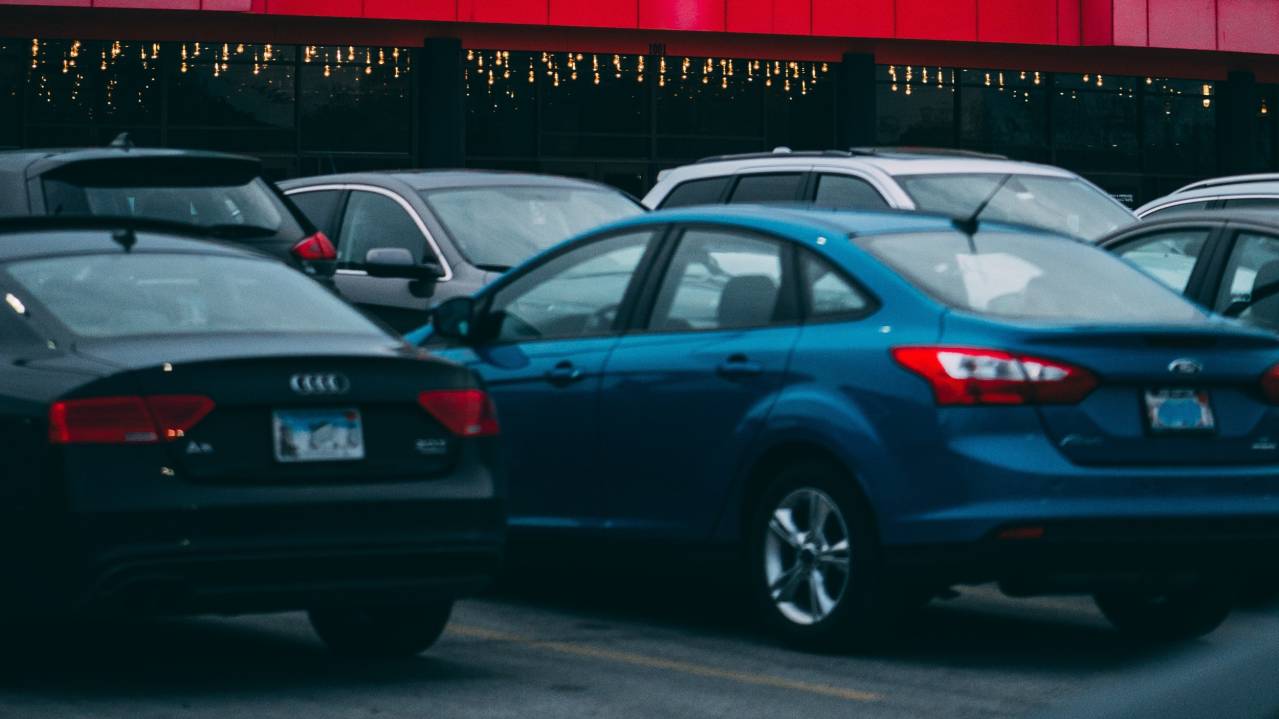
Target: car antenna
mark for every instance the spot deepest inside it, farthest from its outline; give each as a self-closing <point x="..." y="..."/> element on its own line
<point x="125" y="237"/>
<point x="122" y="142"/>
<point x="969" y="225"/>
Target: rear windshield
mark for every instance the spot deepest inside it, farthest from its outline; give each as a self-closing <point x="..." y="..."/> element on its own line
<point x="125" y="295"/>
<point x="500" y="227"/>
<point x="249" y="208"/>
<point x="1062" y="204"/>
<point x="1023" y="276"/>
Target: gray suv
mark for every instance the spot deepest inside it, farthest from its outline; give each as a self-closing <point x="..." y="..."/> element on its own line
<point x="409" y="240"/>
<point x="945" y="181"/>
<point x="1242" y="192"/>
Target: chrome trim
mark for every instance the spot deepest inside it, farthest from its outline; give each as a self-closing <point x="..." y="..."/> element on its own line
<point x="1210" y="199"/>
<point x="403" y="203"/>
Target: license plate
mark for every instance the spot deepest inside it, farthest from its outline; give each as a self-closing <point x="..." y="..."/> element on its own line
<point x="318" y="435"/>
<point x="1179" y="410"/>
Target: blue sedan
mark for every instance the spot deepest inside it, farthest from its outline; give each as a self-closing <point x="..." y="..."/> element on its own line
<point x="873" y="407"/>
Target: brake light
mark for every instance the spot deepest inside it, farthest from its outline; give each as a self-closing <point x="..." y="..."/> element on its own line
<point x="125" y="420"/>
<point x="967" y="376"/>
<point x="464" y="412"/>
<point x="1270" y="385"/>
<point x="315" y="247"/>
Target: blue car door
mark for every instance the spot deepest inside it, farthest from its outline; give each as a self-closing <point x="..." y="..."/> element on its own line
<point x="685" y="393"/>
<point x="556" y="327"/>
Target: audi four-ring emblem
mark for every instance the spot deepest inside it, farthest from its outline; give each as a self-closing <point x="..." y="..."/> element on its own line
<point x="320" y="383"/>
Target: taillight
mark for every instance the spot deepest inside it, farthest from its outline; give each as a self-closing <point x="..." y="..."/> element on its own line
<point x="315" y="247"/>
<point x="464" y="412"/>
<point x="1270" y="385"/>
<point x="967" y="376"/>
<point x="125" y="420"/>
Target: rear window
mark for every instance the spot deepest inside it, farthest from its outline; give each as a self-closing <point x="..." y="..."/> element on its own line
<point x="697" y="192"/>
<point x="247" y="207"/>
<point x="1062" y="204"/>
<point x="125" y="295"/>
<point x="496" y="228"/>
<point x="1014" y="275"/>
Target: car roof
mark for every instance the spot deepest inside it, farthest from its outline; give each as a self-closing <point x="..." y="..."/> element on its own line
<point x="27" y="237"/>
<point x="421" y="180"/>
<point x="1256" y="219"/>
<point x="1268" y="177"/>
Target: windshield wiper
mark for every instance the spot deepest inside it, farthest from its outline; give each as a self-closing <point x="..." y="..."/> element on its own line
<point x="493" y="267"/>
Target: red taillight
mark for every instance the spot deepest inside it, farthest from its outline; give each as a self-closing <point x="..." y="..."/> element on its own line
<point x="464" y="412"/>
<point x="315" y="247"/>
<point x="967" y="376"/>
<point x="1270" y="385"/>
<point x="125" y="420"/>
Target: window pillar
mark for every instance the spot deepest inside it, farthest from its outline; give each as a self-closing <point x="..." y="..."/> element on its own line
<point x="441" y="97"/>
<point x="1237" y="125"/>
<point x="855" y="101"/>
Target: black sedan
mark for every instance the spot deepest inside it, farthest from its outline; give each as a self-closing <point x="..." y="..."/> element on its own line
<point x="1226" y="261"/>
<point x="188" y="427"/>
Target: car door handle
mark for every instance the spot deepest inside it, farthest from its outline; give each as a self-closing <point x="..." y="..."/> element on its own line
<point x="563" y="374"/>
<point x="740" y="365"/>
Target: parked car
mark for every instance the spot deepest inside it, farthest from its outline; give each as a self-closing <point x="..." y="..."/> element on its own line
<point x="227" y="196"/>
<point x="189" y="427"/>
<point x="944" y="181"/>
<point x="872" y="407"/>
<point x="1243" y="192"/>
<point x="1226" y="262"/>
<point x="451" y="232"/>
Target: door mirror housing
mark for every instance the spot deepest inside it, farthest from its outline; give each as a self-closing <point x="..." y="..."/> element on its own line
<point x="454" y="319"/>
<point x="398" y="262"/>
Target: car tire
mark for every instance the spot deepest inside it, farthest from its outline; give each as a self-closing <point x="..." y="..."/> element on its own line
<point x="1170" y="616"/>
<point x="387" y="631"/>
<point x="822" y="591"/>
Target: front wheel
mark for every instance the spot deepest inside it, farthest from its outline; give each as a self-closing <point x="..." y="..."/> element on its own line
<point x="381" y="631"/>
<point x="814" y="560"/>
<point x="1169" y="616"/>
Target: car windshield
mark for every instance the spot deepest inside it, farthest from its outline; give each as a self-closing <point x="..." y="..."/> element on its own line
<point x="1063" y="204"/>
<point x="500" y="227"/>
<point x="125" y="295"/>
<point x="1018" y="275"/>
<point x="250" y="206"/>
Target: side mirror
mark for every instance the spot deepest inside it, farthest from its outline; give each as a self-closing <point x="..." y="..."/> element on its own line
<point x="398" y="262"/>
<point x="455" y="319"/>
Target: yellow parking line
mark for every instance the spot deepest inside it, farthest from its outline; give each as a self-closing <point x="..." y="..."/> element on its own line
<point x="641" y="660"/>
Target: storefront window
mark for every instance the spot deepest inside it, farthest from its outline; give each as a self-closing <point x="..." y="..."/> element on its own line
<point x="356" y="99"/>
<point x="1180" y="127"/>
<point x="1005" y="112"/>
<point x="233" y="96"/>
<point x="84" y="93"/>
<point x="1266" y="126"/>
<point x="12" y="77"/>
<point x="915" y="106"/>
<point x="1094" y="122"/>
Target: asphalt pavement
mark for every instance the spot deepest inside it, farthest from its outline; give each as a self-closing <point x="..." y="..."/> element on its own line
<point x="569" y="649"/>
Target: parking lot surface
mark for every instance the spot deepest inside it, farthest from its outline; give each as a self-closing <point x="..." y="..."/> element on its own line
<point x="576" y="651"/>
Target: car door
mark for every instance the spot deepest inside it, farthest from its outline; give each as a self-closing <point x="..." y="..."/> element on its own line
<point x="684" y="394"/>
<point x="1249" y="283"/>
<point x="377" y="218"/>
<point x="557" y="322"/>
<point x="1177" y="255"/>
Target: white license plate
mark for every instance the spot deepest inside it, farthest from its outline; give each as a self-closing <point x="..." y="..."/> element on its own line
<point x="1179" y="410"/>
<point x="318" y="435"/>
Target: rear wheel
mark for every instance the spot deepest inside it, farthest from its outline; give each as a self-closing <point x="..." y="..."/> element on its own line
<point x="1168" y="616"/>
<point x="814" y="560"/>
<point x="381" y="631"/>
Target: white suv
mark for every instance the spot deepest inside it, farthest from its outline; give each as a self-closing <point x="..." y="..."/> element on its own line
<point x="948" y="182"/>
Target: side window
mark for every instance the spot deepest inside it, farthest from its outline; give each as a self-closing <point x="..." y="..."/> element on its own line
<point x="828" y="293"/>
<point x="1250" y="287"/>
<point x="1254" y="203"/>
<point x="697" y="192"/>
<point x="374" y="221"/>
<point x="1168" y="256"/>
<point x="844" y="192"/>
<point x="320" y="207"/>
<point x="1184" y="208"/>
<point x="769" y="188"/>
<point x="721" y="280"/>
<point x="574" y="295"/>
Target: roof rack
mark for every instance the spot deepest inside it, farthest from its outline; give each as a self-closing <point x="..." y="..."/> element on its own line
<point x="898" y="152"/>
<point x="1232" y="180"/>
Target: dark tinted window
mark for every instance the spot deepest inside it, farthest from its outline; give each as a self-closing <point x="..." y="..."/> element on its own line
<point x="373" y="221"/>
<point x="1170" y="256"/>
<point x="845" y="192"/>
<point x="1256" y="203"/>
<point x="720" y="280"/>
<point x="829" y="293"/>
<point x="1006" y="274"/>
<point x="320" y="207"/>
<point x="1248" y="289"/>
<point x="697" y="192"/>
<point x="781" y="187"/>
<point x="1182" y="209"/>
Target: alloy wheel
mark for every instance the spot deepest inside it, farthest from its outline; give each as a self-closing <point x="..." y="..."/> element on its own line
<point x="806" y="556"/>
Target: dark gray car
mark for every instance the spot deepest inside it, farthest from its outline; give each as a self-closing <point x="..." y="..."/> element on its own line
<point x="408" y="240"/>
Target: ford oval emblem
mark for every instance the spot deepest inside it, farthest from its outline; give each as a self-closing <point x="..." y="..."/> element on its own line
<point x="1185" y="367"/>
